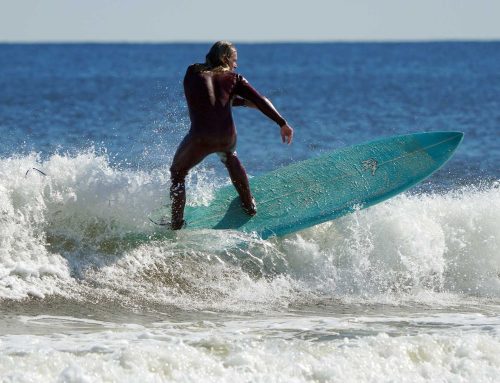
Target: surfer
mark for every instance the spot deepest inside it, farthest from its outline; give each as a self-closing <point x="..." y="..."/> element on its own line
<point x="211" y="88"/>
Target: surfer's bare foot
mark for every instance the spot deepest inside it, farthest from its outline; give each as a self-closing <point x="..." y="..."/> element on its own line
<point x="250" y="209"/>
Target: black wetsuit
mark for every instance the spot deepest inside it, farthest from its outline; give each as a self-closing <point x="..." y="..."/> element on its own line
<point x="209" y="96"/>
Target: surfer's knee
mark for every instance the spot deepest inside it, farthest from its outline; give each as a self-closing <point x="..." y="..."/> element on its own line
<point x="222" y="157"/>
<point x="227" y="157"/>
<point x="177" y="174"/>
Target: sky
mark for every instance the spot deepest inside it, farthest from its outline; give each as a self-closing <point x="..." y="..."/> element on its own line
<point x="247" y="20"/>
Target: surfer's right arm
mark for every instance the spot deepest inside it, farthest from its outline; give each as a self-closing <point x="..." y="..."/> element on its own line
<point x="255" y="99"/>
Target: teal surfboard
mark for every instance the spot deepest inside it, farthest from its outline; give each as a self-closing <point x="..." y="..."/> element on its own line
<point x="321" y="189"/>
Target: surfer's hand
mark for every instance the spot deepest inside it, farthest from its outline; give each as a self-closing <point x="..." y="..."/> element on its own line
<point x="286" y="134"/>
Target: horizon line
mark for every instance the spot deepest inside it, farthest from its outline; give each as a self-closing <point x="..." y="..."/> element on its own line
<point x="236" y="41"/>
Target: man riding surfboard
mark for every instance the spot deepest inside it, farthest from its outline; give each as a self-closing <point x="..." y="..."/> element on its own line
<point x="211" y="89"/>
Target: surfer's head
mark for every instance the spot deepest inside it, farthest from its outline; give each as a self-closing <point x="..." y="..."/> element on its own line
<point x="221" y="57"/>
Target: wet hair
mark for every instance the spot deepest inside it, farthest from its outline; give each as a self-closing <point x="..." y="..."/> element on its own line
<point x="217" y="57"/>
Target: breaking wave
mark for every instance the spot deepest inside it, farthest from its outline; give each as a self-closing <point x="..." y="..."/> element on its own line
<point x="64" y="223"/>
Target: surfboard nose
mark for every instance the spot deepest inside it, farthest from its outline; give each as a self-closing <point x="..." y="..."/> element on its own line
<point x="456" y="137"/>
<point x="452" y="139"/>
<point x="440" y="145"/>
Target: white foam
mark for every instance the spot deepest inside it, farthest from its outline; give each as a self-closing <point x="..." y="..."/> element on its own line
<point x="409" y="245"/>
<point x="61" y="233"/>
<point x="276" y="349"/>
<point x="27" y="267"/>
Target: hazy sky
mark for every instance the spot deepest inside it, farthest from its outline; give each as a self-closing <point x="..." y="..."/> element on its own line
<point x="247" y="20"/>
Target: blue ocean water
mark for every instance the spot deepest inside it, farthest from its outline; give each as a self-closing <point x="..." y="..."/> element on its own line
<point x="407" y="290"/>
<point x="128" y="100"/>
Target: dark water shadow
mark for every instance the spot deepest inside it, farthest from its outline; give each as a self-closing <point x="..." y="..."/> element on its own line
<point x="235" y="217"/>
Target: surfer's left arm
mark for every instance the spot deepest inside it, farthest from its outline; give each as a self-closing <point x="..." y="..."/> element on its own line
<point x="256" y="100"/>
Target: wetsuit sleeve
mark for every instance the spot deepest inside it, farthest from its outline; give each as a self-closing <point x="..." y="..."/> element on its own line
<point x="245" y="90"/>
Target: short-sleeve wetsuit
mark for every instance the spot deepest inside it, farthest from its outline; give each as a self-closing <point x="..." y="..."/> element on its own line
<point x="209" y="96"/>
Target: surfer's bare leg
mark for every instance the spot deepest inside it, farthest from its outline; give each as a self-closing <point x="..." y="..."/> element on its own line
<point x="240" y="180"/>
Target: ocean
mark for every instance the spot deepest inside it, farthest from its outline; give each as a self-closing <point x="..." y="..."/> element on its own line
<point x="405" y="291"/>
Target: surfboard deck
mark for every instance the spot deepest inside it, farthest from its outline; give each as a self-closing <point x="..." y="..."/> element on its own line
<point x="321" y="189"/>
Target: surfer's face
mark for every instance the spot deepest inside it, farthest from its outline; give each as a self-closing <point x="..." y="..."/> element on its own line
<point x="232" y="61"/>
